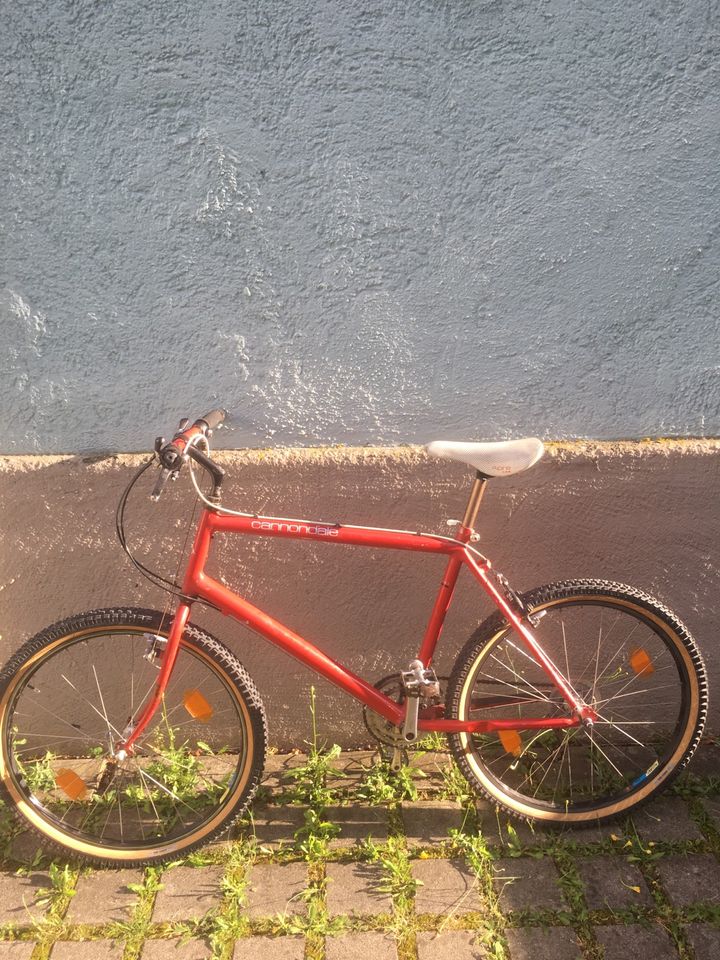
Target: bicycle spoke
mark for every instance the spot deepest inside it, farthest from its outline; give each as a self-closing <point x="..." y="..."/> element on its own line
<point x="636" y="719"/>
<point x="635" y="693"/>
<point x="619" y="650"/>
<point x="104" y="711"/>
<point x="181" y="767"/>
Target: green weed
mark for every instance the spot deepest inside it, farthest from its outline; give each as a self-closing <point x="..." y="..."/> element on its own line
<point x="382" y="785"/>
<point x="311" y="778"/>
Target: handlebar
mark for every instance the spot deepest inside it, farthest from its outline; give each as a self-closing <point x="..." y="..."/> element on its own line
<point x="212" y="419"/>
<point x="173" y="454"/>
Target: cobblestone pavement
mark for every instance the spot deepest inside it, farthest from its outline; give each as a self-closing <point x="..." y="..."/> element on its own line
<point x="404" y="868"/>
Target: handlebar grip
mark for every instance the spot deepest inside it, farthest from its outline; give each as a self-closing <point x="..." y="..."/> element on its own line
<point x="212" y="419"/>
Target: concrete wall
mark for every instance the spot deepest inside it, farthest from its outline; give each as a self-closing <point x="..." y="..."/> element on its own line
<point x="358" y="222"/>
<point x="642" y="513"/>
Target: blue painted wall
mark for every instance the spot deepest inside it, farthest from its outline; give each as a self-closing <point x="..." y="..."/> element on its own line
<point x="358" y="222"/>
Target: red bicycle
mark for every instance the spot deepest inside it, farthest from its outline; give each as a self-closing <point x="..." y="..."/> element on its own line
<point x="130" y="736"/>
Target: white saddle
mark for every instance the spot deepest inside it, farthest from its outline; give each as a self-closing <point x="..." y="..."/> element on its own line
<point x="500" y="459"/>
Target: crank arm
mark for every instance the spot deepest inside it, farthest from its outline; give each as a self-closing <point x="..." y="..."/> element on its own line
<point x="410" y="727"/>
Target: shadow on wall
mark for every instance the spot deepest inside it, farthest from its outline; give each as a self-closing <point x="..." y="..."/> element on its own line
<point x="632" y="512"/>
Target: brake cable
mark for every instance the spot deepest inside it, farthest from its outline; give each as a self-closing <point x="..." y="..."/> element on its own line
<point x="157" y="580"/>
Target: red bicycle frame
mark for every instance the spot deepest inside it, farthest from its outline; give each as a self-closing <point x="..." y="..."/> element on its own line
<point x="198" y="585"/>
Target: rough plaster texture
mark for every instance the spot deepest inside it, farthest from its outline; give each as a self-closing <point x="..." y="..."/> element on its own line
<point x="358" y="222"/>
<point x="640" y="513"/>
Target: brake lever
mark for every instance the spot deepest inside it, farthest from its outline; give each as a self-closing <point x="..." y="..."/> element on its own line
<point x="165" y="475"/>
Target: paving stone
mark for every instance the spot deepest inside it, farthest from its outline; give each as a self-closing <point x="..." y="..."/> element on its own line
<point x="352" y="889"/>
<point x="538" y="834"/>
<point x="361" y="946"/>
<point x="431" y="821"/>
<point x="270" y="948"/>
<point x="25" y="847"/>
<point x="277" y="777"/>
<point x="594" y="833"/>
<point x="18" y="895"/>
<point x="448" y="886"/>
<point x="705" y="940"/>
<point x="357" y="824"/>
<point x="16" y="951"/>
<point x="276" y="826"/>
<point x="187" y="892"/>
<point x="274" y="889"/>
<point x="174" y="950"/>
<point x="690" y="878"/>
<point x="276" y="762"/>
<point x="633" y="940"/>
<point x="429" y="770"/>
<point x="432" y="762"/>
<point x="523" y="883"/>
<point x="350" y="769"/>
<point x="103" y="896"/>
<point x="87" y="950"/>
<point x="666" y="819"/>
<point x="497" y="829"/>
<point x="450" y="945"/>
<point x="609" y="883"/>
<point x="544" y="943"/>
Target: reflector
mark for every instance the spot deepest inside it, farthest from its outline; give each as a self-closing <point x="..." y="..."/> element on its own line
<point x="197" y="706"/>
<point x="641" y="662"/>
<point x="71" y="784"/>
<point x="512" y="741"/>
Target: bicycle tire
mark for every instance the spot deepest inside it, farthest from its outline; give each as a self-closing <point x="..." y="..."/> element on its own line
<point x="674" y="648"/>
<point x="205" y="656"/>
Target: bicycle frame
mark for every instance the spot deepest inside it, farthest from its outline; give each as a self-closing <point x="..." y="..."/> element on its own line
<point x="198" y="585"/>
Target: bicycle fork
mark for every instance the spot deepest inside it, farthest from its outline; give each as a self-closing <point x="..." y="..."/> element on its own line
<point x="135" y="728"/>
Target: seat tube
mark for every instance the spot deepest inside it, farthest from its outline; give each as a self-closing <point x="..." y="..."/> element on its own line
<point x="440" y="609"/>
<point x="449" y="580"/>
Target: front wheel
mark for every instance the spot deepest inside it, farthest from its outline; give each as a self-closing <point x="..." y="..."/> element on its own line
<point x="627" y="656"/>
<point x="72" y="693"/>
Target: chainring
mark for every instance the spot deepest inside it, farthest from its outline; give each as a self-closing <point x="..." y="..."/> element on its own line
<point x="378" y="727"/>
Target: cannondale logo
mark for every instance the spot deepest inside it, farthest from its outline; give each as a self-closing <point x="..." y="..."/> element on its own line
<point x="313" y="530"/>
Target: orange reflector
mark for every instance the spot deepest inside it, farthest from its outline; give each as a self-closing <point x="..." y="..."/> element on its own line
<point x="71" y="784"/>
<point x="197" y="706"/>
<point x="641" y="662"/>
<point x="511" y="740"/>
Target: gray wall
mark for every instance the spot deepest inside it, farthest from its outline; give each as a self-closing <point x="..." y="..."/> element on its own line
<point x="358" y="222"/>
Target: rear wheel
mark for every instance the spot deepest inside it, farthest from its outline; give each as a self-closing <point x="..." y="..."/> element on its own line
<point x="68" y="697"/>
<point x="625" y="655"/>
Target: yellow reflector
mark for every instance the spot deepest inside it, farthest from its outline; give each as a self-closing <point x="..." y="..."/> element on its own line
<point x="511" y="740"/>
<point x="197" y="706"/>
<point x="641" y="662"/>
<point x="71" y="784"/>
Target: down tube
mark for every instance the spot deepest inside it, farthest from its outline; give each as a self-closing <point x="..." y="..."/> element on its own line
<point x="304" y="651"/>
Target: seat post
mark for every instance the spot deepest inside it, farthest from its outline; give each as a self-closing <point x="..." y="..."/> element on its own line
<point x="476" y="494"/>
